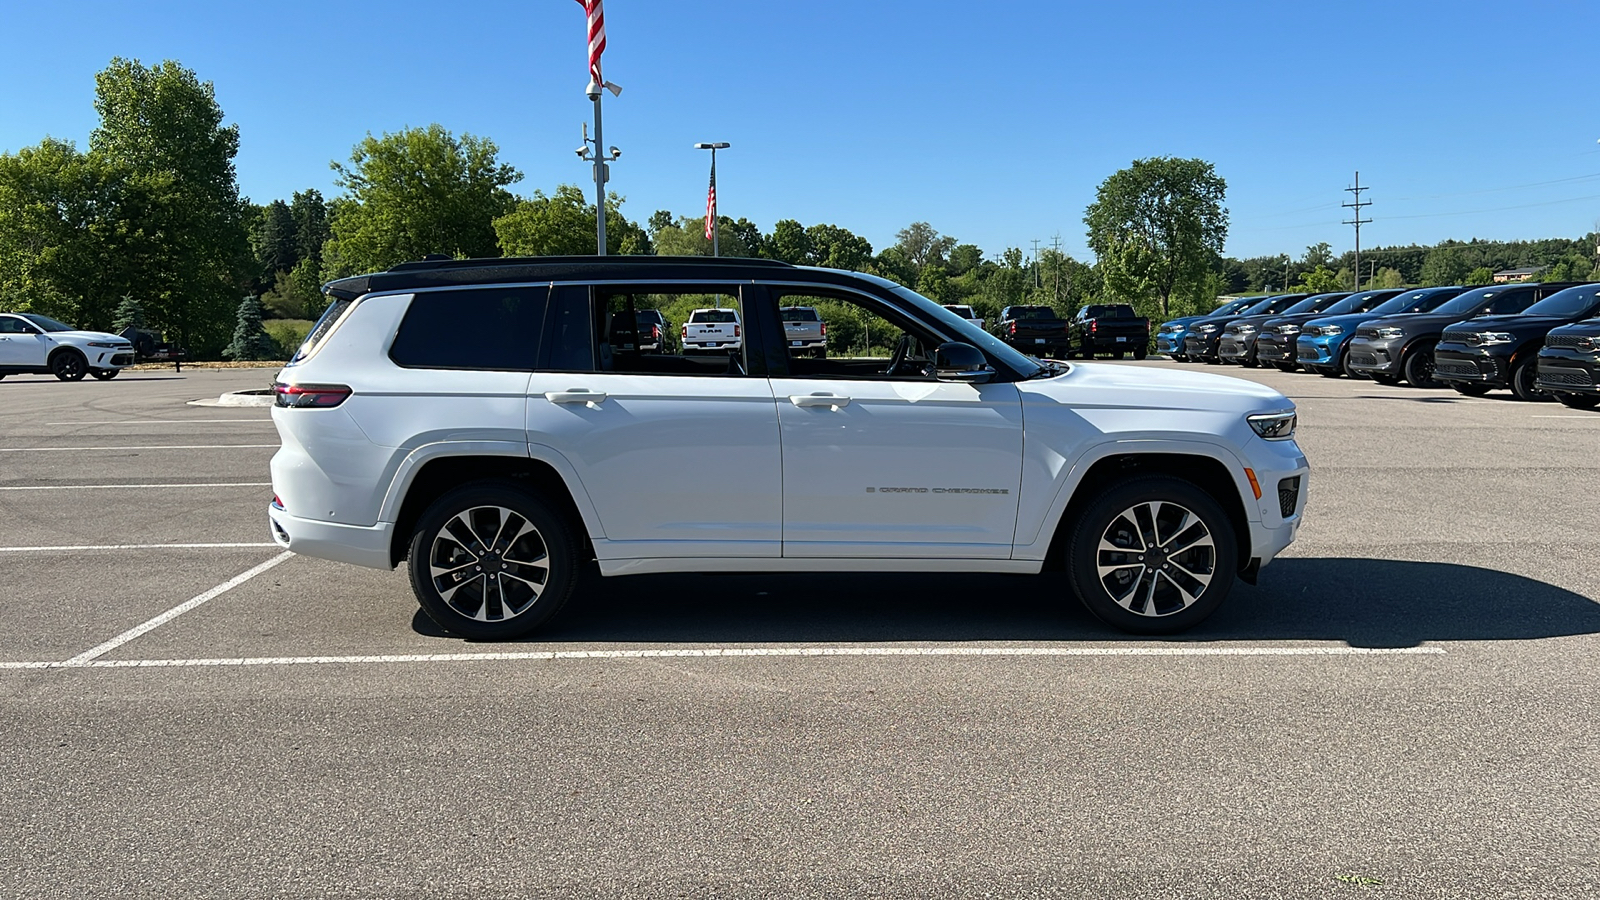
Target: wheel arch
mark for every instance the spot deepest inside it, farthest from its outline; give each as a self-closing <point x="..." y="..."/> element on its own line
<point x="1204" y="471"/>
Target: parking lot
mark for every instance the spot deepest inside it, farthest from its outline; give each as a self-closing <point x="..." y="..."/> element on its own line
<point x="1404" y="706"/>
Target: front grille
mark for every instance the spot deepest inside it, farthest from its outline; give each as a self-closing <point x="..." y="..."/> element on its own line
<point x="1456" y="337"/>
<point x="1288" y="495"/>
<point x="1566" y="377"/>
<point x="1569" y="341"/>
<point x="1309" y="353"/>
<point x="1363" y="359"/>
<point x="122" y="359"/>
<point x="1454" y="367"/>
<point x="1229" y="347"/>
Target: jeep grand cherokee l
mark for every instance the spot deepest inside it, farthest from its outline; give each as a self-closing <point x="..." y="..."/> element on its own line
<point x="476" y="419"/>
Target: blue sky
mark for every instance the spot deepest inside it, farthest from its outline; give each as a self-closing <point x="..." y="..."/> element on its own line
<point x="994" y="122"/>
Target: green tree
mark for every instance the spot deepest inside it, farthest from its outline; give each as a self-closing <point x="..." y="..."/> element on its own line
<point x="130" y="314"/>
<point x="275" y="246"/>
<point x="1156" y="226"/>
<point x="1318" y="254"/>
<point x="416" y="192"/>
<point x="920" y="245"/>
<point x="250" y="340"/>
<point x="162" y="136"/>
<point x="310" y="214"/>
<point x="562" y="224"/>
<point x="838" y="248"/>
<point x="688" y="238"/>
<point x="1387" y="279"/>
<point x="1444" y="266"/>
<point x="1320" y="280"/>
<point x="1480" y="275"/>
<point x="790" y="243"/>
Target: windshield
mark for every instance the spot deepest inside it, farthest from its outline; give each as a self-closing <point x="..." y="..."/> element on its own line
<point x="799" y="314"/>
<point x="1231" y="308"/>
<point x="47" y="324"/>
<point x="1570" y="303"/>
<point x="964" y="328"/>
<point x="1470" y="302"/>
<point x="714" y="315"/>
<point x="1412" y="302"/>
<point x="1271" y="305"/>
<point x="1312" y="304"/>
<point x="1357" y="303"/>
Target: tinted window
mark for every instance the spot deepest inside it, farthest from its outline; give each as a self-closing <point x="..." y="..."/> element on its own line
<point x="1357" y="302"/>
<point x="319" y="331"/>
<point x="13" y="325"/>
<point x="1312" y="304"/>
<point x="704" y="332"/>
<point x="45" y="323"/>
<point x="799" y="314"/>
<point x="1032" y="312"/>
<point x="713" y="316"/>
<point x="1570" y="303"/>
<point x="568" y="345"/>
<point x="651" y="317"/>
<point x="488" y="328"/>
<point x="1512" y="302"/>
<point x="1472" y="302"/>
<point x="1111" y="312"/>
<point x="1413" y="302"/>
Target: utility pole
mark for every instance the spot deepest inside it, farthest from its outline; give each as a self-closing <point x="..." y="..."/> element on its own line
<point x="1056" y="246"/>
<point x="1036" y="262"/>
<point x="1357" y="221"/>
<point x="600" y="159"/>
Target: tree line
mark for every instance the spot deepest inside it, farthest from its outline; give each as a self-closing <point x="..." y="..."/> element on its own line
<point x="148" y="225"/>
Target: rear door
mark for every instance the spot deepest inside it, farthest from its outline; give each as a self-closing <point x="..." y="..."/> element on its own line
<point x="679" y="454"/>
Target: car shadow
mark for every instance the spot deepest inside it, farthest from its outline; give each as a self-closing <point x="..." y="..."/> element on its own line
<point x="1374" y="603"/>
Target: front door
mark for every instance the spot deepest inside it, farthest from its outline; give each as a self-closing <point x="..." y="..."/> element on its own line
<point x="679" y="454"/>
<point x="882" y="460"/>
<point x="21" y="344"/>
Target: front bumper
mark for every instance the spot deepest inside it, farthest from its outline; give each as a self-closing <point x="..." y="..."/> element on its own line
<point x="1199" y="347"/>
<point x="1470" y="366"/>
<point x="1274" y="348"/>
<point x="1284" y="476"/>
<point x="1376" y="356"/>
<point x="1321" y="350"/>
<point x="1170" y="343"/>
<point x="1235" y="347"/>
<point x="1569" y="372"/>
<point x="362" y="545"/>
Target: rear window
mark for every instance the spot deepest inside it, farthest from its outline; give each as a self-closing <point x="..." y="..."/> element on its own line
<point x="1032" y="312"/>
<point x="799" y="314"/>
<point x="485" y="329"/>
<point x="714" y="316"/>
<point x="1112" y="312"/>
<point x="319" y="332"/>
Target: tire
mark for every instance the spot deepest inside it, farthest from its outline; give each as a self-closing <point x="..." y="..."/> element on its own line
<point x="1179" y="357"/>
<point x="1249" y="361"/>
<point x="1579" y="401"/>
<point x="1126" y="591"/>
<point x="1286" y="366"/>
<point x="104" y="374"/>
<point x="474" y="603"/>
<point x="1385" y="380"/>
<point x="1524" y="383"/>
<point x="1471" y="390"/>
<point x="69" y="365"/>
<point x="1335" y="370"/>
<point x="1141" y="352"/>
<point x="1417" y="366"/>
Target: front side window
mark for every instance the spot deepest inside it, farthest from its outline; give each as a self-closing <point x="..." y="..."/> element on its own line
<point x="861" y="342"/>
<point x="494" y="328"/>
<point x="13" y="325"/>
<point x="1512" y="302"/>
<point x="702" y="331"/>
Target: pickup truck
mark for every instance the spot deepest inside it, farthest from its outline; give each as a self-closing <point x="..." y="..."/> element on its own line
<point x="1035" y="329"/>
<point x="1108" y="328"/>
<point x="965" y="312"/>
<point x="805" y="331"/>
<point x="712" y="330"/>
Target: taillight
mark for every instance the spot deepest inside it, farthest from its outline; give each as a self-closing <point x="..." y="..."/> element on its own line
<point x="735" y="331"/>
<point x="1094" y="327"/>
<point x="824" y="329"/>
<point x="686" y="332"/>
<point x="1013" y="328"/>
<point x="309" y="396"/>
<point x="655" y="332"/>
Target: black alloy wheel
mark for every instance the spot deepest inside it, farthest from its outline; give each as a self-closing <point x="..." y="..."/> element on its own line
<point x="1417" y="366"/>
<point x="1524" y="383"/>
<point x="69" y="365"/>
<point x="1152" y="555"/>
<point x="491" y="561"/>
<point x="1250" y="361"/>
<point x="103" y="374"/>
<point x="1471" y="390"/>
<point x="1579" y="401"/>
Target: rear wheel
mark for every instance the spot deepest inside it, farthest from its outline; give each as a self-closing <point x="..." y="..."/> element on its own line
<point x="1579" y="401"/>
<point x="69" y="365"/>
<point x="1418" y="368"/>
<point x="1140" y="352"/>
<point x="490" y="561"/>
<point x="1152" y="555"/>
<point x="1471" y="390"/>
<point x="1524" y="384"/>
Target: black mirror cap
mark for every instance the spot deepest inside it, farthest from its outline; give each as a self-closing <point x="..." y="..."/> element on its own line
<point x="956" y="361"/>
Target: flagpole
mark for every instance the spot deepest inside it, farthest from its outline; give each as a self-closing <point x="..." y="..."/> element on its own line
<point x="714" y="250"/>
<point x="711" y="192"/>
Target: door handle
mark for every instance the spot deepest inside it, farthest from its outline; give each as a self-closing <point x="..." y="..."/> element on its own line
<point x="830" y="400"/>
<point x="576" y="395"/>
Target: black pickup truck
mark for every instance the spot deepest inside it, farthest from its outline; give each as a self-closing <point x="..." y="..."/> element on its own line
<point x="1035" y="329"/>
<point x="1108" y="328"/>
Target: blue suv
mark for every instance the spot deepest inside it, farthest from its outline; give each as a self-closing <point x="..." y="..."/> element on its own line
<point x="1323" y="346"/>
<point x="1169" y="337"/>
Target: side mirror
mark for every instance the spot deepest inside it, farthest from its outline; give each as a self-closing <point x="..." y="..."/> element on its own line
<point x="961" y="363"/>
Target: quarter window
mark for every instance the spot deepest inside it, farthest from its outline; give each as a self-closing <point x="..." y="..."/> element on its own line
<point x="486" y="328"/>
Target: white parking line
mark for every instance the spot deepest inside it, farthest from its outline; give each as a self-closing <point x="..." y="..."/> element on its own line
<point x="163" y="422"/>
<point x="1589" y="418"/>
<point x="151" y="447"/>
<point x="72" y="548"/>
<point x="92" y="653"/>
<point x="129" y="487"/>
<point x="88" y="660"/>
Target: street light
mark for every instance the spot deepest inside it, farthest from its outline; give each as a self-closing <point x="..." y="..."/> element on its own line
<point x="711" y="209"/>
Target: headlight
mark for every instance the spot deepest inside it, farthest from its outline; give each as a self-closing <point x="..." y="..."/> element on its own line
<point x="1589" y="343"/>
<point x="1206" y="329"/>
<point x="1245" y="329"/>
<point x="1273" y="426"/>
<point x="1390" y="333"/>
<point x="1288" y="329"/>
<point x="110" y="345"/>
<point x="1493" y="337"/>
<point x="1330" y="329"/>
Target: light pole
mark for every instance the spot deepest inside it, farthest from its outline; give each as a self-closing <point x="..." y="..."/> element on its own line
<point x="711" y="192"/>
<point x="600" y="159"/>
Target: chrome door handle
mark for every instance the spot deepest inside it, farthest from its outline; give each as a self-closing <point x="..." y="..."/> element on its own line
<point x="577" y="395"/>
<point x="830" y="400"/>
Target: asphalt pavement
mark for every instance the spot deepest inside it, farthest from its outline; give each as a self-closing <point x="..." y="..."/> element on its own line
<point x="1405" y="706"/>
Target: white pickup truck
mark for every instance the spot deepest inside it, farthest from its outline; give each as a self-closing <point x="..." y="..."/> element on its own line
<point x="804" y="330"/>
<point x="712" y="329"/>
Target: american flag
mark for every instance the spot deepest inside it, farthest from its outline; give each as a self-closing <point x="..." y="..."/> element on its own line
<point x="711" y="203"/>
<point x="597" y="37"/>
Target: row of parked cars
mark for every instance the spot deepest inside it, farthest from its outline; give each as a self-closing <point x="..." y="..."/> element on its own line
<point x="1537" y="340"/>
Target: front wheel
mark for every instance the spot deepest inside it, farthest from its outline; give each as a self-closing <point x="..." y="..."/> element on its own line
<point x="1385" y="380"/>
<point x="1152" y="555"/>
<point x="1471" y="390"/>
<point x="69" y="365"/>
<point x="1524" y="383"/>
<point x="1286" y="366"/>
<point x="1579" y="401"/>
<point x="103" y="374"/>
<point x="1418" y="368"/>
<point x="491" y="561"/>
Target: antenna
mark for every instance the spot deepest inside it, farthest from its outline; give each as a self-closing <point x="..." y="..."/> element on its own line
<point x="1356" y="205"/>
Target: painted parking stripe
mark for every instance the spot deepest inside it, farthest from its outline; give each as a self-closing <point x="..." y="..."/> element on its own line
<point x="150" y="447"/>
<point x="131" y="487"/>
<point x="163" y="422"/>
<point x="725" y="653"/>
<point x="145" y="627"/>
<point x="77" y="547"/>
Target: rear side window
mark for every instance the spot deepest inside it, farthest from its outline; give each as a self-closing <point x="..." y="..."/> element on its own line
<point x="487" y="329"/>
<point x="320" y="331"/>
<point x="1512" y="302"/>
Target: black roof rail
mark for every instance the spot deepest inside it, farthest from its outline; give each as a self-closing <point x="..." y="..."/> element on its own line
<point x="434" y="261"/>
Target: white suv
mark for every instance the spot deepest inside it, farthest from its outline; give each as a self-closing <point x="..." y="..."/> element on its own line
<point x="474" y="417"/>
<point x="35" y="344"/>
